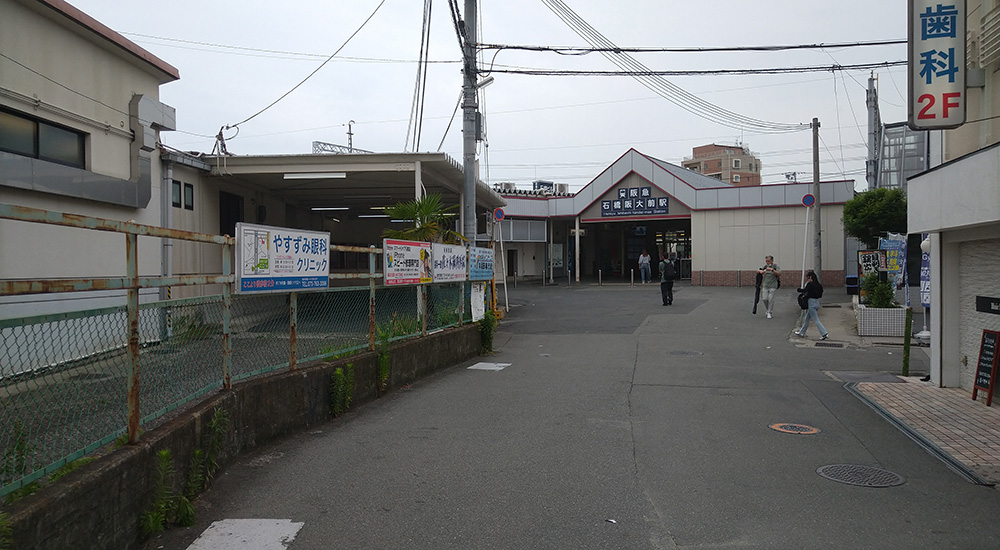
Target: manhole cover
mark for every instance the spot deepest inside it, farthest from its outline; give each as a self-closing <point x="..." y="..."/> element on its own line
<point x="797" y="429"/>
<point x="683" y="353"/>
<point x="863" y="476"/>
<point x="90" y="376"/>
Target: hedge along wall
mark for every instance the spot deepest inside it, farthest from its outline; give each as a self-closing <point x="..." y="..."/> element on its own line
<point x="98" y="506"/>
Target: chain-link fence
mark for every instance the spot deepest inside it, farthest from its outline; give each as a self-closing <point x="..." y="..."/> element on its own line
<point x="59" y="403"/>
<point x="65" y="378"/>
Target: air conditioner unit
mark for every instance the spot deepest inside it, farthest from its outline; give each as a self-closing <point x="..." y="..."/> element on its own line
<point x="508" y="186"/>
<point x="583" y="232"/>
<point x="562" y="189"/>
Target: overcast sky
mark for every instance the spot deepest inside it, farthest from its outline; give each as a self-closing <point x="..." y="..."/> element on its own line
<point x="236" y="57"/>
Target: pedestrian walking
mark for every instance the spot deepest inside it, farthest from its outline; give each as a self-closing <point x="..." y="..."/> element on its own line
<point x="667" y="274"/>
<point x="644" y="267"/>
<point x="813" y="291"/>
<point x="770" y="282"/>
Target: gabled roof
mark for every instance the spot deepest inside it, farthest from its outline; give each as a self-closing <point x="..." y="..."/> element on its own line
<point x="693" y="190"/>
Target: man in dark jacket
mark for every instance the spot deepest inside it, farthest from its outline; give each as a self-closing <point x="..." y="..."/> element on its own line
<point x="667" y="274"/>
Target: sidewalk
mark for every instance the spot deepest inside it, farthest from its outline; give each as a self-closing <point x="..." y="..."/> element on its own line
<point x="965" y="434"/>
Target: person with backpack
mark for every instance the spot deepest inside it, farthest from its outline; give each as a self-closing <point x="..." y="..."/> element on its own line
<point x="813" y="291"/>
<point x="667" y="275"/>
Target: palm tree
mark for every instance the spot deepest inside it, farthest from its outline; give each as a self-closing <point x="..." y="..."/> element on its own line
<point x="430" y="219"/>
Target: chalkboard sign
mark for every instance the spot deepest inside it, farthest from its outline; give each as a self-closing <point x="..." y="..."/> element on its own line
<point x="986" y="368"/>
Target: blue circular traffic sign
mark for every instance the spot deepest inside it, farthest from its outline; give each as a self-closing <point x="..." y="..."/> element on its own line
<point x="498" y="214"/>
<point x="808" y="200"/>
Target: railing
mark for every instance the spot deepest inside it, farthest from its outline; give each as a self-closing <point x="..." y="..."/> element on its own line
<point x="74" y="382"/>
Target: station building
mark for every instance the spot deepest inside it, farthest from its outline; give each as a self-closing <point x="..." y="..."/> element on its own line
<point x="719" y="232"/>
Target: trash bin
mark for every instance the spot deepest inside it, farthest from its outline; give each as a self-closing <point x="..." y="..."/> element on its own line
<point x="851" y="283"/>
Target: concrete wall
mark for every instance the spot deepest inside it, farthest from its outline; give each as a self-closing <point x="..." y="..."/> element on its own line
<point x="98" y="506"/>
<point x="728" y="242"/>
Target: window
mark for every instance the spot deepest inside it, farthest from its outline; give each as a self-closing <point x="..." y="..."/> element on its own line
<point x="736" y="178"/>
<point x="175" y="193"/>
<point x="30" y="137"/>
<point x="188" y="196"/>
<point x="736" y="163"/>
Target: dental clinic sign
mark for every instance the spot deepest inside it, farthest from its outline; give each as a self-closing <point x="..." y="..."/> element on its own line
<point x="937" y="70"/>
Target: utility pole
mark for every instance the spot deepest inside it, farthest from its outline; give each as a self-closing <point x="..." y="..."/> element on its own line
<point x="470" y="130"/>
<point x="817" y="239"/>
<point x="874" y="127"/>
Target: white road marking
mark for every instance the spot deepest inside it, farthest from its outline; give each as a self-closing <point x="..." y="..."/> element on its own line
<point x="489" y="366"/>
<point x="248" y="534"/>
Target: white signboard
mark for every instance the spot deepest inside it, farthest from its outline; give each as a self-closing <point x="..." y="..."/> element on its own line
<point x="480" y="264"/>
<point x="937" y="69"/>
<point x="406" y="262"/>
<point x="450" y="262"/>
<point x="278" y="259"/>
<point x="478" y="301"/>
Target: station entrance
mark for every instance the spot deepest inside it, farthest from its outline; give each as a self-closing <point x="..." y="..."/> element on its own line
<point x="618" y="245"/>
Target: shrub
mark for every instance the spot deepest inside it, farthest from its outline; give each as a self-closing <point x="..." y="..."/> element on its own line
<point x="880" y="293"/>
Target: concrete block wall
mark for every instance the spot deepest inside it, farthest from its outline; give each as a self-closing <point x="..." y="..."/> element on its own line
<point x="98" y="506"/>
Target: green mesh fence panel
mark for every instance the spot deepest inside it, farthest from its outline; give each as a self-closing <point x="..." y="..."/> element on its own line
<point x="64" y="377"/>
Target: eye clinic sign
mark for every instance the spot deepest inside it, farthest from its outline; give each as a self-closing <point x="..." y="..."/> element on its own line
<point x="937" y="70"/>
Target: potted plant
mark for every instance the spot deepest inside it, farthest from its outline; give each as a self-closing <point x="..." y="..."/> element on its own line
<point x="881" y="316"/>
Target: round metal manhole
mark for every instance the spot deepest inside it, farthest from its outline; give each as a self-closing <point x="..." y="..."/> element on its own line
<point x="684" y="353"/>
<point x="862" y="476"/>
<point x="797" y="429"/>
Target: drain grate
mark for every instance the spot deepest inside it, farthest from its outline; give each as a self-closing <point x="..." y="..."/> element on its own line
<point x="829" y="345"/>
<point x="797" y="429"/>
<point x="862" y="476"/>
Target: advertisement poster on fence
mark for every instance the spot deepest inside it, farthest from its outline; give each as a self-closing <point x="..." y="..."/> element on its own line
<point x="478" y="301"/>
<point x="895" y="256"/>
<point x="406" y="262"/>
<point x="278" y="259"/>
<point x="480" y="264"/>
<point x="449" y="262"/>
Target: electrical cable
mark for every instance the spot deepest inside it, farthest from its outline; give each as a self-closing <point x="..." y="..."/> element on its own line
<point x="417" y="105"/>
<point x="661" y="86"/>
<point x="706" y="72"/>
<point x="286" y="94"/>
<point x="575" y="50"/>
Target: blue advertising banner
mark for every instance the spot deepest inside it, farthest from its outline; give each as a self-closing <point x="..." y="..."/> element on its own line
<point x="480" y="263"/>
<point x="925" y="277"/>
<point x="278" y="259"/>
<point x="635" y="201"/>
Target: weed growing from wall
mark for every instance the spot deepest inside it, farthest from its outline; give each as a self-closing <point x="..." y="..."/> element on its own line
<point x="6" y="533"/>
<point x="217" y="428"/>
<point x="54" y="476"/>
<point x="341" y="389"/>
<point x="154" y="520"/>
<point x="15" y="464"/>
<point x="487" y="327"/>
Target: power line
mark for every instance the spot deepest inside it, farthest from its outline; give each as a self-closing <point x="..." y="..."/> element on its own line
<point x="286" y="94"/>
<point x="661" y="86"/>
<point x="575" y="50"/>
<point x="709" y="72"/>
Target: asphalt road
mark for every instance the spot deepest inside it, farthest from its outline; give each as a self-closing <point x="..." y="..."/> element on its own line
<point x="620" y="423"/>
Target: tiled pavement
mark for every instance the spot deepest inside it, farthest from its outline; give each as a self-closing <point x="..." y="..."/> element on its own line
<point x="945" y="421"/>
<point x="968" y="431"/>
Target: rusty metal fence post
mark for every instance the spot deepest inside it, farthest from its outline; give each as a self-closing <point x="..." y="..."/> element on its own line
<point x="371" y="299"/>
<point x="227" y="309"/>
<point x="132" y="307"/>
<point x="293" y="319"/>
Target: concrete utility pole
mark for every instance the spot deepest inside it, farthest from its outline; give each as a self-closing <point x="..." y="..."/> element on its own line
<point x="817" y="239"/>
<point x="470" y="114"/>
<point x="874" y="124"/>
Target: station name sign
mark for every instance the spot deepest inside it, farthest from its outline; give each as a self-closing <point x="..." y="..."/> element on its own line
<point x="635" y="201"/>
